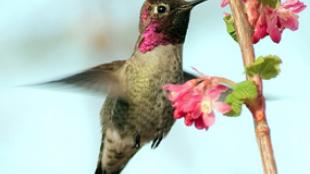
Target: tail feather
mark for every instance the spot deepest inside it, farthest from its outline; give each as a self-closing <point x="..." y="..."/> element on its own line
<point x="114" y="154"/>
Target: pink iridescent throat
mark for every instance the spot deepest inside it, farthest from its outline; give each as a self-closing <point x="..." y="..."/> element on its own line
<point x="151" y="38"/>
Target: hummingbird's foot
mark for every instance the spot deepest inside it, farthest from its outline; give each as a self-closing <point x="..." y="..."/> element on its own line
<point x="156" y="142"/>
<point x="137" y="144"/>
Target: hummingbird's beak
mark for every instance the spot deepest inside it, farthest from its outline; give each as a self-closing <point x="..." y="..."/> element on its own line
<point x="195" y="2"/>
<point x="190" y="4"/>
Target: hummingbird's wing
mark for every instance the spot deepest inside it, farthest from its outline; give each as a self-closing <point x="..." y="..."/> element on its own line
<point x="100" y="79"/>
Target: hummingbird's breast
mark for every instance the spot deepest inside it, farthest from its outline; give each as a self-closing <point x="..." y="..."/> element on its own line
<point x="145" y="74"/>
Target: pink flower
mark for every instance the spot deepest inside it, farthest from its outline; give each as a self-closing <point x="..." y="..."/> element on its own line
<point x="195" y="101"/>
<point x="270" y="21"/>
<point x="273" y="21"/>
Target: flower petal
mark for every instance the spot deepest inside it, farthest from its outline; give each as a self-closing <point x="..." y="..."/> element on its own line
<point x="209" y="119"/>
<point x="177" y="114"/>
<point x="199" y="124"/>
<point x="222" y="107"/>
<point x="294" y="5"/>
<point x="215" y="93"/>
<point x="188" y="120"/>
<point x="291" y="23"/>
<point x="272" y="27"/>
<point x="224" y="3"/>
<point x="260" y="29"/>
<point x="252" y="7"/>
<point x="287" y="19"/>
<point x="177" y="91"/>
<point x="205" y="121"/>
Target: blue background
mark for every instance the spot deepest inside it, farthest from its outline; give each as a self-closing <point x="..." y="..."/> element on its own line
<point x="58" y="131"/>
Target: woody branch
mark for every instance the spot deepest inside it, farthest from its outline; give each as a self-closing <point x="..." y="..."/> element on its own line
<point x="257" y="107"/>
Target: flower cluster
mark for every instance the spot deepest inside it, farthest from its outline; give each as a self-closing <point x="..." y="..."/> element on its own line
<point x="196" y="99"/>
<point x="267" y="20"/>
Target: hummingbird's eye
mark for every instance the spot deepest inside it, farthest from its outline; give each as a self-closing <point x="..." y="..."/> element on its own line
<point x="161" y="9"/>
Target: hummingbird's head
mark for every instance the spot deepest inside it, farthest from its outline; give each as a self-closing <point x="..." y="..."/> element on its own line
<point x="164" y="22"/>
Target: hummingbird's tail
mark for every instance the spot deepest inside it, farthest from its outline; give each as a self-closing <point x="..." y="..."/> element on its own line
<point x="115" y="152"/>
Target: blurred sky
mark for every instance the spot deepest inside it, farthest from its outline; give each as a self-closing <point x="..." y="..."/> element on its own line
<point x="58" y="132"/>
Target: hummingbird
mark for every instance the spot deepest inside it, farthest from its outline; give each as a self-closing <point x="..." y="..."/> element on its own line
<point x="136" y="110"/>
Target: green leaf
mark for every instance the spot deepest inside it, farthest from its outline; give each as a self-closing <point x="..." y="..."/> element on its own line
<point x="246" y="90"/>
<point x="236" y="106"/>
<point x="230" y="27"/>
<point x="266" y="67"/>
<point x="271" y="3"/>
<point x="242" y="92"/>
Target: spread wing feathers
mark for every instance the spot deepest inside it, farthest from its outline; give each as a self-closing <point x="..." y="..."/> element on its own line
<point x="99" y="80"/>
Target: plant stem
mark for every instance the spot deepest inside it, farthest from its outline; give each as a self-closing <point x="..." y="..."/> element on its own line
<point x="257" y="107"/>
